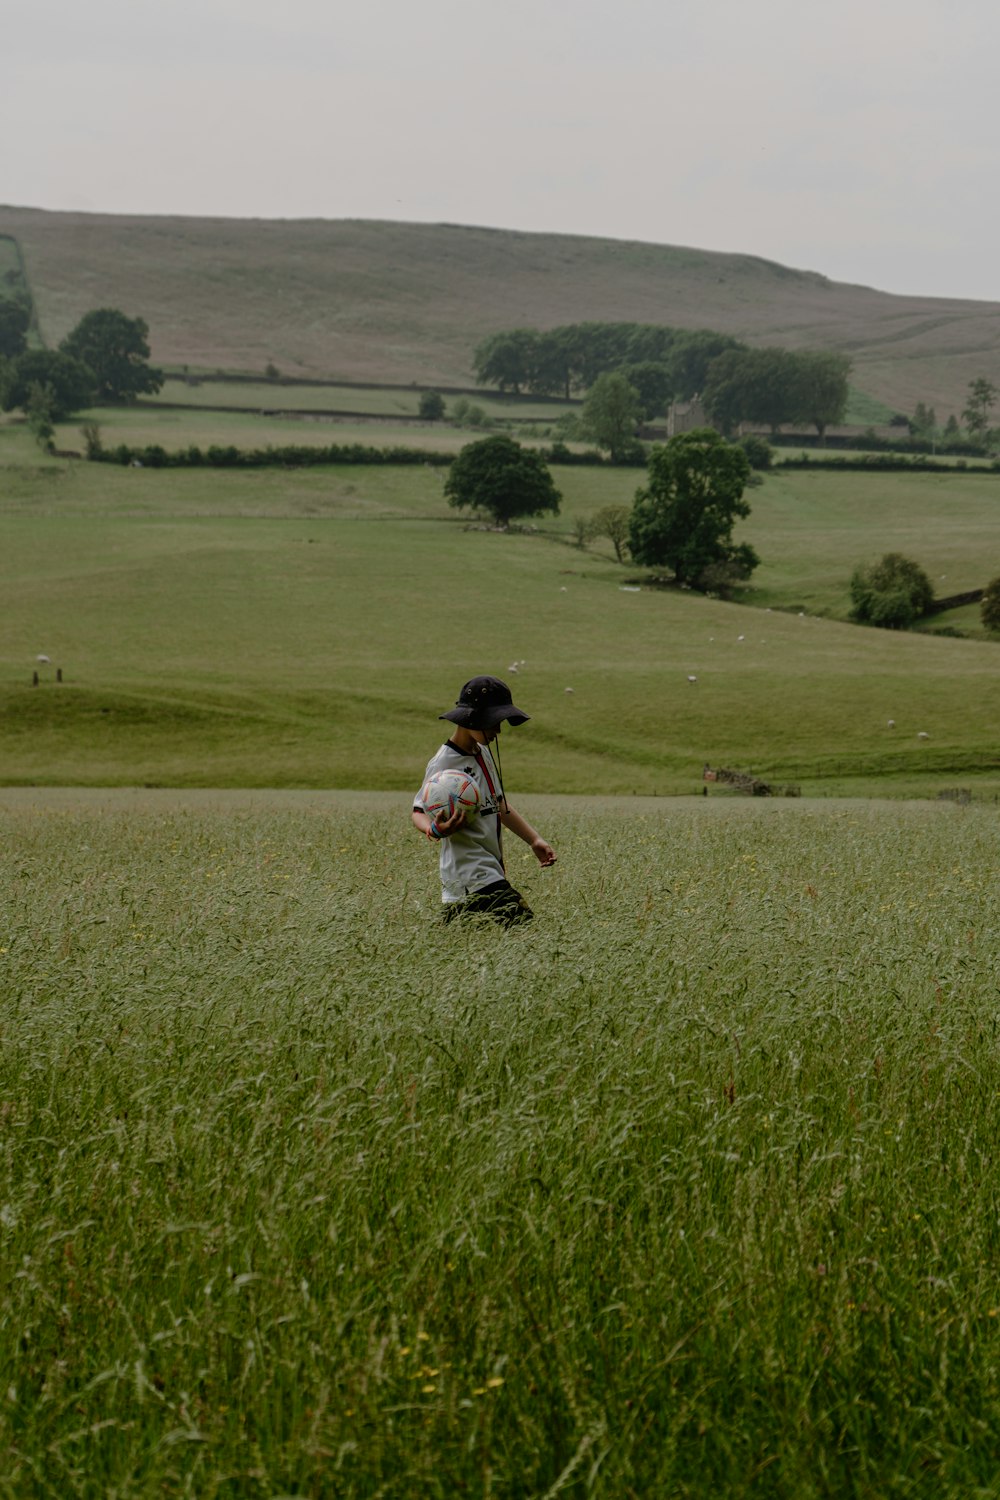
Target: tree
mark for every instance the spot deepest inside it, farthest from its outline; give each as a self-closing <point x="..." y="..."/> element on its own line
<point x="497" y="475"/>
<point x="431" y="406"/>
<point x="39" y="408"/>
<point x="69" y="383"/>
<point x="653" y="383"/>
<point x="691" y="357"/>
<point x="15" y="320"/>
<point x="923" y="423"/>
<point x="751" y="385"/>
<point x="116" y="350"/>
<point x="506" y="360"/>
<point x="820" y="388"/>
<point x="982" y="398"/>
<point x="758" y="450"/>
<point x="611" y="522"/>
<point x="611" y="414"/>
<point x="683" y="519"/>
<point x="891" y="593"/>
<point x="989" y="608"/>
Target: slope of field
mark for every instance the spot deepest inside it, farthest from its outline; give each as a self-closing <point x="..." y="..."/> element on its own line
<point x="402" y="302"/>
<point x="306" y="628"/>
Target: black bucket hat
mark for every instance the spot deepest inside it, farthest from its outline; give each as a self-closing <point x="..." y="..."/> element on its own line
<point x="483" y="703"/>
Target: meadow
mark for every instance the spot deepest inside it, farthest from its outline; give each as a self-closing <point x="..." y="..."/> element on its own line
<point x="358" y="300"/>
<point x="685" y="1188"/>
<point x="223" y="628"/>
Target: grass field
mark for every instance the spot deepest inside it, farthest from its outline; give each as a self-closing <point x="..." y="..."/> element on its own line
<point x="305" y="629"/>
<point x="685" y="1189"/>
<point x="400" y="302"/>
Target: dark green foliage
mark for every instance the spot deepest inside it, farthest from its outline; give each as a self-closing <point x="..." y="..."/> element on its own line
<point x="989" y="608"/>
<point x="691" y="358"/>
<point x="982" y="399"/>
<point x="774" y="386"/>
<point x="15" y="319"/>
<point x="116" y="349"/>
<point x="91" y="434"/>
<point x="653" y="383"/>
<point x="758" y="450"/>
<point x="500" y="477"/>
<point x="821" y="390"/>
<point x="924" y="420"/>
<point x="292" y="456"/>
<point x="506" y="360"/>
<point x="891" y="593"/>
<point x="68" y="382"/>
<point x="431" y="406"/>
<point x="611" y="414"/>
<point x="683" y="519"/>
<point x="40" y="407"/>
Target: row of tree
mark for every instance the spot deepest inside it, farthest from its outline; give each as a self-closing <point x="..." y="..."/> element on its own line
<point x="105" y="358"/>
<point x="659" y="365"/>
<point x="981" y="398"/>
<point x="662" y="363"/>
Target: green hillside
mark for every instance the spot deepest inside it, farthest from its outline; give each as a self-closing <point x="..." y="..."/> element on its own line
<point x="408" y="302"/>
<point x="273" y="628"/>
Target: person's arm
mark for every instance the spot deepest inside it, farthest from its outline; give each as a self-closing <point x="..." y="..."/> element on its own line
<point x="543" y="852"/>
<point x="442" y="830"/>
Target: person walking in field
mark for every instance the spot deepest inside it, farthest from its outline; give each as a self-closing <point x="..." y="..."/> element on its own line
<point x="473" y="876"/>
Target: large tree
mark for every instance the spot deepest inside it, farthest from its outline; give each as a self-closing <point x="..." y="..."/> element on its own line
<point x="500" y="477"/>
<point x="67" y="383"/>
<point x="982" y="399"/>
<point x="611" y="413"/>
<point x="691" y="356"/>
<point x="15" y="319"/>
<point x="654" y="384"/>
<point x="507" y="360"/>
<point x="683" y="518"/>
<point x="115" y="349"/>
<point x="821" y="389"/>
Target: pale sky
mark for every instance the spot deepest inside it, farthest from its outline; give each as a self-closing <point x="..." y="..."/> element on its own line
<point x="857" y="139"/>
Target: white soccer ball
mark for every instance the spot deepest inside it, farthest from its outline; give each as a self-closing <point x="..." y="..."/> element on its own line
<point x="445" y="792"/>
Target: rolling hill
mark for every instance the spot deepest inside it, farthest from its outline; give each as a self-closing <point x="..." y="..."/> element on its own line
<point x="389" y="302"/>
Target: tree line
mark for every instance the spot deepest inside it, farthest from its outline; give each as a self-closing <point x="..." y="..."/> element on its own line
<point x="104" y="359"/>
<point x="659" y="365"/>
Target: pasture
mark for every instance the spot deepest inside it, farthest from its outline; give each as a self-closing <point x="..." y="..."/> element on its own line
<point x="686" y="1188"/>
<point x="226" y="628"/>
<point x="358" y="300"/>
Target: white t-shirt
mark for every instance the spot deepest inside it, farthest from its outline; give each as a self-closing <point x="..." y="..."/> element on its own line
<point x="472" y="857"/>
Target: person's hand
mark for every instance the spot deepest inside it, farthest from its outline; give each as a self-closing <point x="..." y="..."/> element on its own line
<point x="447" y="826"/>
<point x="544" y="853"/>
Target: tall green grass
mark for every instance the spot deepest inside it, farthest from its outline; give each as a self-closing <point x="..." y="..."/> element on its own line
<point x="687" y="1188"/>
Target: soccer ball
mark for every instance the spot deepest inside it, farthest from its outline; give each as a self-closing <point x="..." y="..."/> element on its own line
<point x="444" y="792"/>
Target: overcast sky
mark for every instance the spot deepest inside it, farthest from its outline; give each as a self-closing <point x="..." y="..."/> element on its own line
<point x="857" y="139"/>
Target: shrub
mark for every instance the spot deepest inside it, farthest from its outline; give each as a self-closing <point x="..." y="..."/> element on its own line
<point x="431" y="406"/>
<point x="891" y="593"/>
<point x="758" y="450"/>
<point x="989" y="609"/>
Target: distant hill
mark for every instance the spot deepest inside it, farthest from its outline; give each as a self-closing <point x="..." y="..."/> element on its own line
<point x="392" y="302"/>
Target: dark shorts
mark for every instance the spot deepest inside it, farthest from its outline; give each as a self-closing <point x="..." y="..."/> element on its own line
<point x="499" y="901"/>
